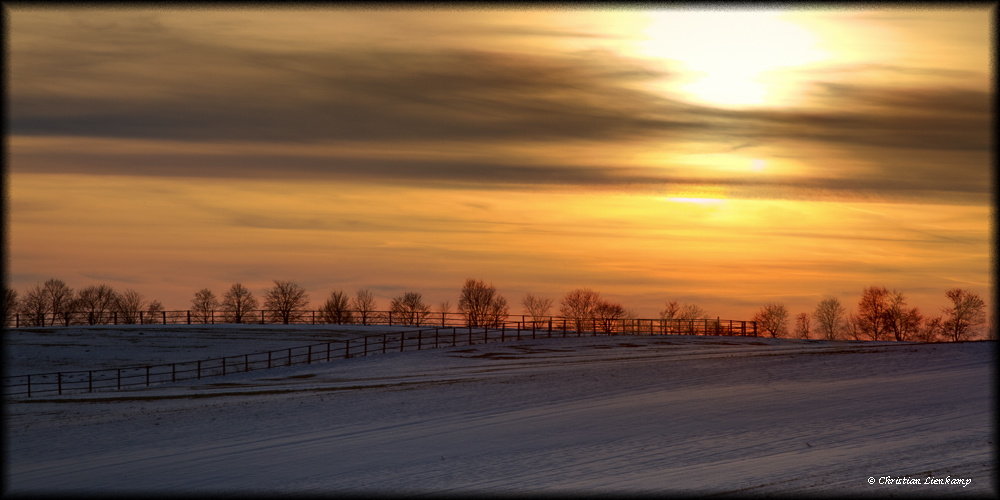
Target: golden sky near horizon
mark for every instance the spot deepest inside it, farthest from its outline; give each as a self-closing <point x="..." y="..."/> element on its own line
<point x="725" y="158"/>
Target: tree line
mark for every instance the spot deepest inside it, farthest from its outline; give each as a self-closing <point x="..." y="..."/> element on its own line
<point x="881" y="314"/>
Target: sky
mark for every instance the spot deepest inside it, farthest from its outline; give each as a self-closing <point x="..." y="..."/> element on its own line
<point x="725" y="158"/>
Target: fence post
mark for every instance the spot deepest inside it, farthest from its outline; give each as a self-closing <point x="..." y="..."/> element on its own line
<point x="59" y="382"/>
<point x="164" y="317"/>
<point x="119" y="379"/>
<point x="289" y="356"/>
<point x="147" y="375"/>
<point x="532" y="329"/>
<point x="140" y="318"/>
<point x="503" y="331"/>
<point x="385" y="338"/>
<point x="189" y="317"/>
<point x="223" y="366"/>
<point x="366" y="346"/>
<point x="173" y="372"/>
<point x="347" y="348"/>
<point x="402" y="340"/>
<point x="17" y="320"/>
<point x="442" y="319"/>
<point x="309" y="358"/>
<point x="314" y="317"/>
<point x="390" y="318"/>
<point x="328" y="351"/>
<point x="550" y="328"/>
<point x="29" y="386"/>
<point x="116" y="317"/>
<point x="262" y="316"/>
<point x="90" y="381"/>
<point x="420" y="336"/>
<point x="470" y="335"/>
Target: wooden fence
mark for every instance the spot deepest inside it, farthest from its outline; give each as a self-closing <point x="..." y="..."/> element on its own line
<point x="88" y="381"/>
<point x="390" y="318"/>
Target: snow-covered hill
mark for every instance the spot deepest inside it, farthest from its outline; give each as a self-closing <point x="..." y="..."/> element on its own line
<point x="606" y="414"/>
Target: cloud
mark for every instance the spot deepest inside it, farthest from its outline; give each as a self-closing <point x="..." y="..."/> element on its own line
<point x="141" y="79"/>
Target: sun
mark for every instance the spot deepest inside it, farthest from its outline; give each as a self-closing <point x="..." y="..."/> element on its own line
<point x="731" y="58"/>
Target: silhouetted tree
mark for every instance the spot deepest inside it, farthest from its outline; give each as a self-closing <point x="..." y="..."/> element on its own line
<point x="154" y="312"/>
<point x="676" y="314"/>
<point x="851" y="330"/>
<point x="410" y="308"/>
<point x="608" y="314"/>
<point x="204" y="304"/>
<point x="771" y="319"/>
<point x="128" y="305"/>
<point x="967" y="314"/>
<point x="536" y="307"/>
<point x="829" y="316"/>
<point x="901" y="322"/>
<point x="238" y="303"/>
<point x="578" y="306"/>
<point x="364" y="304"/>
<point x="34" y="306"/>
<point x="337" y="308"/>
<point x="873" y="313"/>
<point x="9" y="306"/>
<point x="60" y="300"/>
<point x="481" y="304"/>
<point x="802" y="326"/>
<point x="931" y="330"/>
<point x="97" y="302"/>
<point x="285" y="300"/>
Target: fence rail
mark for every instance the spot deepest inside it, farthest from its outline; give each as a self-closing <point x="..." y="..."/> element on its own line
<point x="89" y="381"/>
<point x="310" y="317"/>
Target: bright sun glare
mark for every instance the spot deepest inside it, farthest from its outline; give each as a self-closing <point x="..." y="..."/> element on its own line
<point x="728" y="54"/>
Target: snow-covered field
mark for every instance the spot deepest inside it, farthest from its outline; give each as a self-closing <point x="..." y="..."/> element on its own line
<point x="679" y="414"/>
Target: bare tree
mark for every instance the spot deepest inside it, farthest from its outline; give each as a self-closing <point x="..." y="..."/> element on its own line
<point x="578" y="306"/>
<point x="933" y="327"/>
<point x="410" y="308"/>
<point x="630" y="321"/>
<point x="608" y="314"/>
<point x="238" y="303"/>
<point x="364" y="304"/>
<point x="498" y="312"/>
<point x="802" y="326"/>
<point x="285" y="300"/>
<point x="967" y="314"/>
<point x="873" y="312"/>
<point x="771" y="319"/>
<point x="60" y="300"/>
<point x="154" y="312"/>
<point x="98" y="302"/>
<point x="851" y="329"/>
<point x="901" y="322"/>
<point x="9" y="306"/>
<point x="681" y="315"/>
<point x="128" y="306"/>
<point x="536" y="307"/>
<point x="829" y="314"/>
<point x="205" y="304"/>
<point x="481" y="304"/>
<point x="337" y="308"/>
<point x="34" y="306"/>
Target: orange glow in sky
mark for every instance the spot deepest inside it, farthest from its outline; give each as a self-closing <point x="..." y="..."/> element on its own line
<point x="723" y="158"/>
